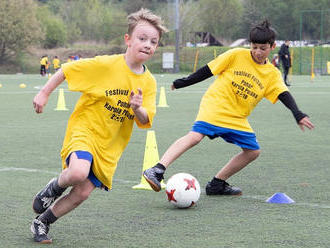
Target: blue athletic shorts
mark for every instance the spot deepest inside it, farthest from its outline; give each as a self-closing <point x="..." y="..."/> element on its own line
<point x="243" y="139"/>
<point x="89" y="157"/>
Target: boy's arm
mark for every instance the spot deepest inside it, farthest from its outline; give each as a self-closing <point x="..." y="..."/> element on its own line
<point x="136" y="105"/>
<point x="198" y="76"/>
<point x="301" y="118"/>
<point x="41" y="99"/>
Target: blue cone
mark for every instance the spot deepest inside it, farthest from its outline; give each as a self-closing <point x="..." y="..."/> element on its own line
<point x="280" y="198"/>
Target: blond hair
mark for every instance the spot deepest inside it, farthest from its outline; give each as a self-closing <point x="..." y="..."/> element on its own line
<point x="145" y="15"/>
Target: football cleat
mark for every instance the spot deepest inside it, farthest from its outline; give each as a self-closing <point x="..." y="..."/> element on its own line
<point x="221" y="188"/>
<point x="40" y="231"/>
<point x="45" y="198"/>
<point x="154" y="176"/>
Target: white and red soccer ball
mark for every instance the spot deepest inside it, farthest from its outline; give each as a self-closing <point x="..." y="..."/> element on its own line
<point x="183" y="190"/>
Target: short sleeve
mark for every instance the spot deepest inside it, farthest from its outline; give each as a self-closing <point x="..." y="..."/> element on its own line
<point x="276" y="87"/>
<point x="81" y="74"/>
<point x="220" y="63"/>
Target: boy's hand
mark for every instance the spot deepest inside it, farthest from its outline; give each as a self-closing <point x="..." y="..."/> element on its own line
<point x="305" y="122"/>
<point x="39" y="101"/>
<point x="172" y="87"/>
<point x="136" y="99"/>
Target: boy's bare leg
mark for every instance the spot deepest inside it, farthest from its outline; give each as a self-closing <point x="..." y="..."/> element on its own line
<point x="78" y="194"/>
<point x="237" y="163"/>
<point x="219" y="186"/>
<point x="76" y="173"/>
<point x="180" y="146"/>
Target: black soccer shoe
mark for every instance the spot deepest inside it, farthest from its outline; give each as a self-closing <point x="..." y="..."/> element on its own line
<point x="154" y="176"/>
<point x="221" y="188"/>
<point x="40" y="231"/>
<point x="45" y="198"/>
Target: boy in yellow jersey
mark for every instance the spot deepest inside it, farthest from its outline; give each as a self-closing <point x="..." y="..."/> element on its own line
<point x="117" y="91"/>
<point x="43" y="64"/>
<point x="245" y="76"/>
<point x="56" y="64"/>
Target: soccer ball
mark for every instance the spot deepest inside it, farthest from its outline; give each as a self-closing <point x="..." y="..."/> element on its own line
<point x="183" y="190"/>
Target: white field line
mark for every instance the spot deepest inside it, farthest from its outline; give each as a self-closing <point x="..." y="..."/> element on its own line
<point x="6" y="169"/>
<point x="21" y="92"/>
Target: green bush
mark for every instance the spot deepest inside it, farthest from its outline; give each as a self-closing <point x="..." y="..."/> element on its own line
<point x="55" y="33"/>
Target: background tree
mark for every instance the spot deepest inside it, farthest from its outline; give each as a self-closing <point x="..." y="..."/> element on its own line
<point x="54" y="29"/>
<point x="220" y="17"/>
<point x="19" y="27"/>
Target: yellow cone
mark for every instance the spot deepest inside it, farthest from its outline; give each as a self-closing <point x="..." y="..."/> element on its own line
<point x="22" y="86"/>
<point x="0" y="85"/>
<point x="150" y="159"/>
<point x="312" y="76"/>
<point x="61" y="101"/>
<point x="162" y="98"/>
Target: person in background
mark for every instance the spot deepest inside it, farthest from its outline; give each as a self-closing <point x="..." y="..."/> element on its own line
<point x="48" y="68"/>
<point x="275" y="61"/>
<point x="43" y="65"/>
<point x="285" y="58"/>
<point x="56" y="64"/>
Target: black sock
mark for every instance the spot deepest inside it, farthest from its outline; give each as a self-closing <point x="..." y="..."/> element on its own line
<point x="47" y="217"/>
<point x="217" y="180"/>
<point x="160" y="166"/>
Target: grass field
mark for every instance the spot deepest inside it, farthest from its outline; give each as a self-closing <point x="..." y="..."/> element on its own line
<point x="291" y="161"/>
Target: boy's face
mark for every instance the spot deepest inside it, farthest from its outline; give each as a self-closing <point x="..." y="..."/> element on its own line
<point x="260" y="52"/>
<point x="143" y="41"/>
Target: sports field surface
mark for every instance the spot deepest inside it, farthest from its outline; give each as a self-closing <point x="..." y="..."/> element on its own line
<point x="292" y="162"/>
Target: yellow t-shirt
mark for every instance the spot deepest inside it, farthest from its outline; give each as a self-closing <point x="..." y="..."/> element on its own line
<point x="102" y="120"/>
<point x="56" y="63"/>
<point x="240" y="85"/>
<point x="44" y="61"/>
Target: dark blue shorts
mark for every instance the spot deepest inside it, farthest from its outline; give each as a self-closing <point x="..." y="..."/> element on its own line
<point x="91" y="176"/>
<point x="242" y="139"/>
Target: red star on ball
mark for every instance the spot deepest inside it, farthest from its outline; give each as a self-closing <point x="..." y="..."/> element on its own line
<point x="191" y="184"/>
<point x="170" y="195"/>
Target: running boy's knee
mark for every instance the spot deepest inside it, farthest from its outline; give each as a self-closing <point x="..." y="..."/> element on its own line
<point x="77" y="176"/>
<point x="195" y="138"/>
<point x="254" y="154"/>
<point x="251" y="154"/>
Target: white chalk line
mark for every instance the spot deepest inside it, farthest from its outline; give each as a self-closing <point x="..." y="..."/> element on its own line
<point x="8" y="169"/>
<point x="255" y="197"/>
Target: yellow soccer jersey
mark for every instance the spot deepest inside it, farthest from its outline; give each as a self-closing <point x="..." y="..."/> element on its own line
<point x="240" y="85"/>
<point x="102" y="120"/>
<point x="56" y="63"/>
<point x="44" y="61"/>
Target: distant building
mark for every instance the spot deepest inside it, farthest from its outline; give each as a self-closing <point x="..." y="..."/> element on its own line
<point x="239" y="42"/>
<point x="201" y="39"/>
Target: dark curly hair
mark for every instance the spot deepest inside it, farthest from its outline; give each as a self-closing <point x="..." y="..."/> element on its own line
<point x="262" y="33"/>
